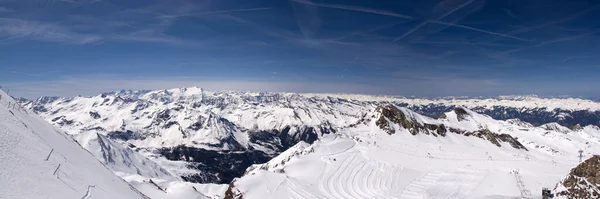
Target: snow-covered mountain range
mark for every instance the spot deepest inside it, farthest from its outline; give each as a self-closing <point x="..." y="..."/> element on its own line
<point x="213" y="137"/>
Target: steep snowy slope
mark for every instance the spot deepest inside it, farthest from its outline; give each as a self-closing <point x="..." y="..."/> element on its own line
<point x="37" y="161"/>
<point x="396" y="153"/>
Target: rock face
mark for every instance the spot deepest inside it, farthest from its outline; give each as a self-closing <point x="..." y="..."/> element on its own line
<point x="232" y="192"/>
<point x="390" y="115"/>
<point x="583" y="181"/>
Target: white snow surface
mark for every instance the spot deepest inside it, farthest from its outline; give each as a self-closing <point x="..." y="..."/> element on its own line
<point x="365" y="162"/>
<point x="25" y="142"/>
<point x="157" y="188"/>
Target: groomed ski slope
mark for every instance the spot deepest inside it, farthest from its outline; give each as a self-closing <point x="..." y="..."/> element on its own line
<point x="25" y="142"/>
<point x="343" y="168"/>
<point x="368" y="163"/>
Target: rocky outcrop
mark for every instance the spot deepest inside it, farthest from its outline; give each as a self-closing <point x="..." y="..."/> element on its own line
<point x="492" y="137"/>
<point x="583" y="181"/>
<point x="390" y="114"/>
<point x="232" y="192"/>
<point x="461" y="113"/>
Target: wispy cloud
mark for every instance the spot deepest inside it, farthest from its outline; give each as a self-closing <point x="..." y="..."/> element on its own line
<point x="551" y="23"/>
<point x="43" y="31"/>
<point x="90" y="86"/>
<point x="80" y="1"/>
<point x="563" y="39"/>
<point x="410" y="31"/>
<point x="355" y="8"/>
<point x="212" y="12"/>
<point x="464" y="43"/>
<point x="388" y="13"/>
<point x="5" y="9"/>
<point x="93" y="86"/>
<point x="307" y="19"/>
<point x="511" y="14"/>
<point x="454" y="9"/>
<point x="476" y="29"/>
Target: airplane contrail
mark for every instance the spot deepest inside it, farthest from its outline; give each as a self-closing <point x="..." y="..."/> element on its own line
<point x="476" y="29"/>
<point x="463" y="43"/>
<point x="528" y="29"/>
<point x="410" y="31"/>
<point x="212" y="12"/>
<point x="425" y="22"/>
<point x="354" y="8"/>
<point x="552" y="41"/>
<point x="455" y="9"/>
<point x="388" y="13"/>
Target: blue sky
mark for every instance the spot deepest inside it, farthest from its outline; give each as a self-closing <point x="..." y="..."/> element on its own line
<point x="411" y="48"/>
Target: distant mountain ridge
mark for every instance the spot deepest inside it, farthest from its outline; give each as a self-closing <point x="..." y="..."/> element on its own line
<point x="565" y="110"/>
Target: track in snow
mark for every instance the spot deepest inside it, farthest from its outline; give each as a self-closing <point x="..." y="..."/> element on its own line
<point x="354" y="176"/>
<point x="88" y="193"/>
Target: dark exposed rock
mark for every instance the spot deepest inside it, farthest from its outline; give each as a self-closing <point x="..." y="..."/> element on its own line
<point x="583" y="181"/>
<point x="576" y="127"/>
<point x="95" y="115"/>
<point x="125" y="135"/>
<point x="62" y="121"/>
<point x="216" y="166"/>
<point x="496" y="138"/>
<point x="232" y="192"/>
<point x="514" y="142"/>
<point x="391" y="113"/>
<point x="97" y="128"/>
<point x="461" y="113"/>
